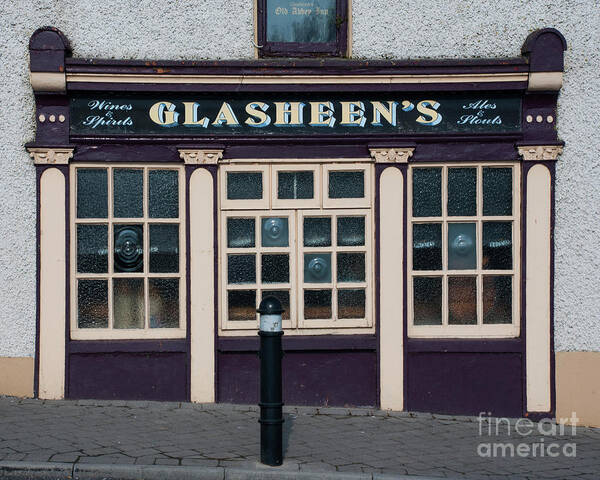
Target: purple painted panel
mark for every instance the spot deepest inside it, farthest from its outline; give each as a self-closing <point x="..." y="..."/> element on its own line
<point x="128" y="376"/>
<point x="301" y="342"/>
<point x="545" y="49"/>
<point x="309" y="378"/>
<point x="127" y="153"/>
<point x="465" y="383"/>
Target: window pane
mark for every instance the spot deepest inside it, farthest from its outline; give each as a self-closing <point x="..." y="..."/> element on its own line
<point x="317" y="232"/>
<point x="427" y="246"/>
<point x="462" y="191"/>
<point x="163" y="191"/>
<point x="274" y="232"/>
<point x="350" y="231"/>
<point x="317" y="304"/>
<point x="240" y="232"/>
<point x="92" y="248"/>
<point x="497" y="191"/>
<point x="462" y="301"/>
<point x="92" y="304"/>
<point x="497" y="299"/>
<point x="284" y="297"/>
<point x="462" y="244"/>
<point x="427" y="300"/>
<point x="164" y="302"/>
<point x="351" y="304"/>
<point x="244" y="185"/>
<point x="128" y="248"/>
<point x="128" y="194"/>
<point x="92" y="193"/>
<point x="497" y="245"/>
<point x="164" y="248"/>
<point x="346" y="184"/>
<point x="275" y="269"/>
<point x="295" y="185"/>
<point x="303" y="22"/>
<point x="317" y="267"/>
<point x="241" y="304"/>
<point x="128" y="303"/>
<point x="427" y="192"/>
<point x="350" y="267"/>
<point x="241" y="268"/>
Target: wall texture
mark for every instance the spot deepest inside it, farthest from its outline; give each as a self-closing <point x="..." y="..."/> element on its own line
<point x="381" y="29"/>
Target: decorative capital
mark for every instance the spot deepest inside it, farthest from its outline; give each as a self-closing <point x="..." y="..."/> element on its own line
<point x="201" y="157"/>
<point x="51" y="156"/>
<point x="540" y="152"/>
<point x="391" y="155"/>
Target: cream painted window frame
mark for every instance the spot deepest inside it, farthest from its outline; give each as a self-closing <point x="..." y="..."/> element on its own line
<point x="110" y="333"/>
<point x="314" y="202"/>
<point x="237" y="208"/>
<point x="466" y="331"/>
<point x="249" y="204"/>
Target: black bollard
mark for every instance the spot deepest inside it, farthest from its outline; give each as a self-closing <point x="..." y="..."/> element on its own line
<point x="271" y="399"/>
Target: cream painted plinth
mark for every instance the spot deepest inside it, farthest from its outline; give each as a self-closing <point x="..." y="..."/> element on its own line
<point x="16" y="376"/>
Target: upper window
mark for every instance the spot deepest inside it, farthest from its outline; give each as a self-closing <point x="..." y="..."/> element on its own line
<point x="464" y="250"/>
<point x="295" y="28"/>
<point x="127" y="262"/>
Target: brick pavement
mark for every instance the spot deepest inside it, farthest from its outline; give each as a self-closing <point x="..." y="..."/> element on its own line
<point x="315" y="440"/>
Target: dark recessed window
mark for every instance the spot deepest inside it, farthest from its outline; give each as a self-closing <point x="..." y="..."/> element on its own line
<point x="302" y="28"/>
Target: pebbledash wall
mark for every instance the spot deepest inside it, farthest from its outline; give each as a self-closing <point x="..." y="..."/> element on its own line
<point x="380" y="30"/>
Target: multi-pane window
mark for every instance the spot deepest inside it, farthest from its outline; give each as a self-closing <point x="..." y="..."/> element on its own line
<point x="302" y="247"/>
<point x="463" y="250"/>
<point x="128" y="262"/>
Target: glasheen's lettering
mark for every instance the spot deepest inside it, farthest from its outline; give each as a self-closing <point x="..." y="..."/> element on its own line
<point x="428" y="109"/>
<point x="389" y="113"/>
<point x="191" y="116"/>
<point x="353" y="114"/>
<point x="289" y="114"/>
<point x="164" y="114"/>
<point x="321" y="114"/>
<point x="257" y="110"/>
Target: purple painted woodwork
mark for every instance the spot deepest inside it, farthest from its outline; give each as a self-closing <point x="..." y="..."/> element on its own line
<point x="545" y="49"/>
<point x="126" y="153"/>
<point x="465" y="383"/>
<point x="127" y="346"/>
<point x="47" y="49"/>
<point x="129" y="376"/>
<point x="301" y="342"/>
<point x="309" y="378"/>
<point x="52" y="133"/>
<point x="460" y="345"/>
<point x="543" y="105"/>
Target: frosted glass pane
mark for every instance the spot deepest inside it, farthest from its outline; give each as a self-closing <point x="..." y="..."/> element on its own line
<point x="427" y="192"/>
<point x="240" y="232"/>
<point x="92" y="304"/>
<point x="128" y="303"/>
<point x="497" y="191"/>
<point x="317" y="304"/>
<point x="350" y="231"/>
<point x="317" y="232"/>
<point x="462" y="191"/>
<point x="462" y="245"/>
<point x="128" y="193"/>
<point x="164" y="302"/>
<point x="244" y="185"/>
<point x="350" y="267"/>
<point x="317" y="267"/>
<point x="346" y="184"/>
<point x="274" y="232"/>
<point x="241" y="304"/>
<point x="128" y="248"/>
<point x="163" y="193"/>
<point x="462" y="301"/>
<point x="284" y="297"/>
<point x="295" y="185"/>
<point x="275" y="268"/>
<point x="427" y="300"/>
<point x="164" y="248"/>
<point x="427" y="246"/>
<point x="497" y="299"/>
<point x="92" y="248"/>
<point x="497" y="245"/>
<point x="301" y="22"/>
<point x="241" y="268"/>
<point x="351" y="304"/>
<point x="92" y="193"/>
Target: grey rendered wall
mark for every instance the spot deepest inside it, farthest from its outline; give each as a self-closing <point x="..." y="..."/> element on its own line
<point x="382" y="29"/>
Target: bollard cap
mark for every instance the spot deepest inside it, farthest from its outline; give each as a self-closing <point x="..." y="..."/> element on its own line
<point x="270" y="306"/>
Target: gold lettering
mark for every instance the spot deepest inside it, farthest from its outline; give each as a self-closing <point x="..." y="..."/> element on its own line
<point x="257" y="110"/>
<point x="163" y="113"/>
<point x="321" y="114"/>
<point x="226" y="116"/>
<point x="289" y="114"/>
<point x="353" y="114"/>
<point x="389" y="113"/>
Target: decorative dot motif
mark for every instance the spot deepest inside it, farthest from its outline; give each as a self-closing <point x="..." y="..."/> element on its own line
<point x="529" y="119"/>
<point x="549" y="119"/>
<point x="61" y="118"/>
<point x="539" y="119"/>
<point x="52" y="118"/>
<point x="42" y="118"/>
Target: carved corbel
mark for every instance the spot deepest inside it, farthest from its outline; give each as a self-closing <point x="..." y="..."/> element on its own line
<point x="540" y="152"/>
<point x="201" y="157"/>
<point x="50" y="156"/>
<point x="391" y="155"/>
